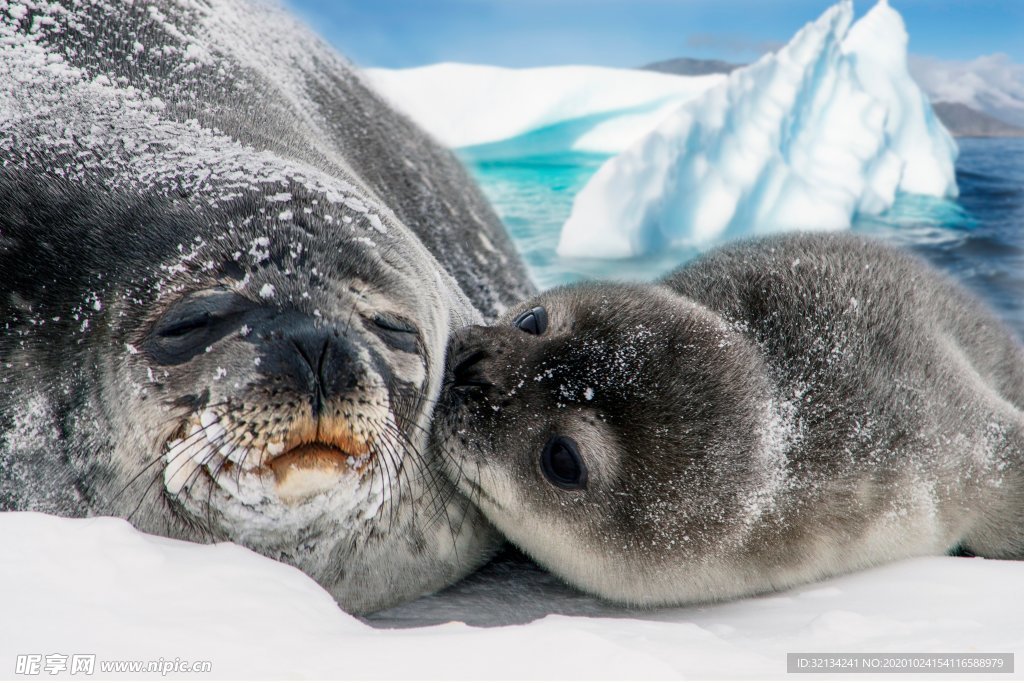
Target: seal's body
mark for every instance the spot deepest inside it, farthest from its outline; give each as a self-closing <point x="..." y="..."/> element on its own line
<point x="228" y="272"/>
<point x="776" y="412"/>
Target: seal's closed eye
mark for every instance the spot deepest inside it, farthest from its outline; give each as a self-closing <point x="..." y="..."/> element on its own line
<point x="182" y="327"/>
<point x="533" y="321"/>
<point x="561" y="463"/>
<point x="396" y="332"/>
<point x="193" y="323"/>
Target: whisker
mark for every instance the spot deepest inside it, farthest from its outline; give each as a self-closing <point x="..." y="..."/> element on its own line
<point x="185" y="445"/>
<point x="438" y="501"/>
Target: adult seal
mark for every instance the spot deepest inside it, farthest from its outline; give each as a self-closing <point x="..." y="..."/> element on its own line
<point x="776" y="412"/>
<point x="228" y="272"/>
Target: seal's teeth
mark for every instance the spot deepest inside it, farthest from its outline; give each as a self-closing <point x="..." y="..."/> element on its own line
<point x="234" y="453"/>
<point x="196" y="449"/>
<point x="175" y="448"/>
<point x="215" y="432"/>
<point x="203" y="453"/>
<point x="213" y="462"/>
<point x="177" y="476"/>
<point x="275" y="448"/>
<point x="211" y="425"/>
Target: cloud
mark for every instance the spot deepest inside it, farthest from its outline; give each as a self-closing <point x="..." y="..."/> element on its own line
<point x="993" y="83"/>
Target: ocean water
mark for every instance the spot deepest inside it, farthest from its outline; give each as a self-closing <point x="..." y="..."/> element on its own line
<point x="978" y="238"/>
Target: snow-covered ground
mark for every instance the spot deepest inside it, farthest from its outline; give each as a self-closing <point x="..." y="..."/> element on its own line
<point x="97" y="586"/>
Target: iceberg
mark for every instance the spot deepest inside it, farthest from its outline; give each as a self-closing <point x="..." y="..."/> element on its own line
<point x="830" y="126"/>
<point x="560" y="108"/>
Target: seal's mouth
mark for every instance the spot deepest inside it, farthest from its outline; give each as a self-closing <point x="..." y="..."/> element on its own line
<point x="316" y="457"/>
<point x="311" y="468"/>
<point x="312" y="456"/>
<point x="307" y="458"/>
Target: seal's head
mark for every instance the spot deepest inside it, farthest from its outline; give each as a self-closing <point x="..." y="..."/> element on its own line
<point x="284" y="368"/>
<point x="237" y="374"/>
<point x="616" y="433"/>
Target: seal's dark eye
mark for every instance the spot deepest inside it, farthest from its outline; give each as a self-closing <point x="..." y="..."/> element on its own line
<point x="181" y="327"/>
<point x="562" y="465"/>
<point x="395" y="332"/>
<point x="534" y="321"/>
<point x="194" y="323"/>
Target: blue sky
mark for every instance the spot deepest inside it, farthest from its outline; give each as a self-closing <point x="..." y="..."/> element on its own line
<point x="624" y="33"/>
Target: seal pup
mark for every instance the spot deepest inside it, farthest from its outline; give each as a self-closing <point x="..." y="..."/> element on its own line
<point x="776" y="412"/>
<point x="228" y="273"/>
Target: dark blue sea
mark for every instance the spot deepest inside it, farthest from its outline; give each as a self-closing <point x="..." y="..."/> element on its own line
<point x="978" y="238"/>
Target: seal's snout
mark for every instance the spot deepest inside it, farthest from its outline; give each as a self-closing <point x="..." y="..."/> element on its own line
<point x="318" y="362"/>
<point x="313" y="413"/>
<point x="466" y="357"/>
<point x="467" y="371"/>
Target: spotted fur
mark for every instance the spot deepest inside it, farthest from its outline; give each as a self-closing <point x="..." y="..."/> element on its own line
<point x="779" y="411"/>
<point x="195" y="170"/>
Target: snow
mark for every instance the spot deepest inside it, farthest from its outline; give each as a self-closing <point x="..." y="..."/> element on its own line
<point x="465" y="105"/>
<point x="79" y="125"/>
<point x="830" y="126"/>
<point x="140" y="597"/>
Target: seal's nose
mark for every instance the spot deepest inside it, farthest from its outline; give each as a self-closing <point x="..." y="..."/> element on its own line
<point x="467" y="371"/>
<point x="465" y="362"/>
<point x="328" y="359"/>
<point x="314" y="360"/>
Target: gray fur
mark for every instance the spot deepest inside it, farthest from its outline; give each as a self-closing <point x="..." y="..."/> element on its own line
<point x="159" y="153"/>
<point x="779" y="411"/>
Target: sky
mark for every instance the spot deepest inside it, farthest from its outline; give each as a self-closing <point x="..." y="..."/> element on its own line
<point x="629" y="33"/>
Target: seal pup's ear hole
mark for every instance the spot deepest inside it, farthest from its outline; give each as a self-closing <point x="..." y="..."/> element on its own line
<point x="562" y="465"/>
<point x="533" y="321"/>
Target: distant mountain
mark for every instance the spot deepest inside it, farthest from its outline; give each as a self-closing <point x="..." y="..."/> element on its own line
<point x="684" y="66"/>
<point x="965" y="122"/>
<point x="962" y="121"/>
